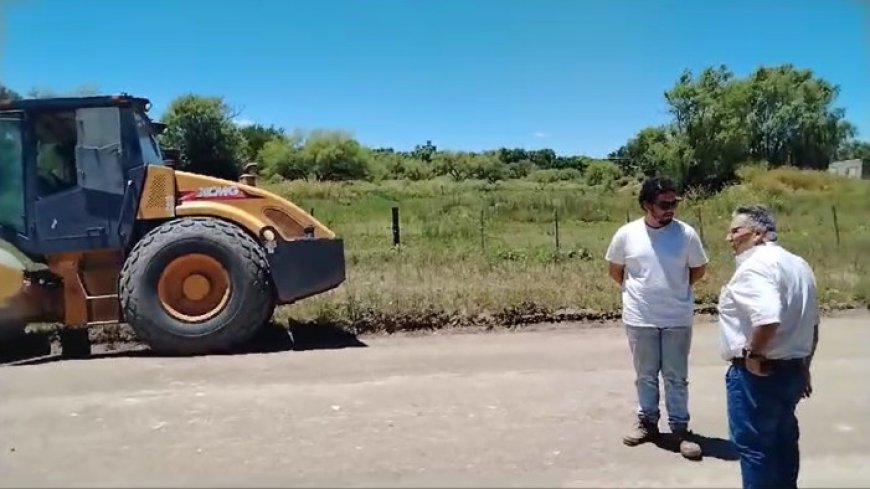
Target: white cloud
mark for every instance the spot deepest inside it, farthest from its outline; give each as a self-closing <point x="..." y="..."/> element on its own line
<point x="243" y="122"/>
<point x="541" y="135"/>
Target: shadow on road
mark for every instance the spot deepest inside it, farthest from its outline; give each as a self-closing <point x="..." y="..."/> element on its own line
<point x="713" y="447"/>
<point x="270" y="339"/>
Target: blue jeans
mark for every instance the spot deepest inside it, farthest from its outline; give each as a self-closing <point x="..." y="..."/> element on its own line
<point x="764" y="429"/>
<point x="665" y="351"/>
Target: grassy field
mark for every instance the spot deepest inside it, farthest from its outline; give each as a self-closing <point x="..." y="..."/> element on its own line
<point x="478" y="253"/>
<point x="474" y="253"/>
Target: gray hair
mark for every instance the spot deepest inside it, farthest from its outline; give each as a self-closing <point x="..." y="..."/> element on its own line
<point x="759" y="218"/>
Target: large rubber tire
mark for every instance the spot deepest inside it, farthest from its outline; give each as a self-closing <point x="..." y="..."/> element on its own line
<point x="251" y="300"/>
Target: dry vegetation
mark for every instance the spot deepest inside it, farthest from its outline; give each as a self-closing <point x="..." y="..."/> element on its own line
<point x="479" y="253"/>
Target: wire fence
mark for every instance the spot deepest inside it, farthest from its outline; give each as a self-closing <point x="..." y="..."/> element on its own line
<point x="396" y="226"/>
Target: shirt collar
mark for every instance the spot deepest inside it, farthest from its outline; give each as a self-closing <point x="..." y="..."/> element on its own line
<point x="742" y="257"/>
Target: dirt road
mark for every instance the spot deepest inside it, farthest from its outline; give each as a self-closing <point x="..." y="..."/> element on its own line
<point x="539" y="408"/>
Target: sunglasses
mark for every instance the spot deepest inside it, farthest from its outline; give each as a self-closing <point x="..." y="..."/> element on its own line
<point x="667" y="205"/>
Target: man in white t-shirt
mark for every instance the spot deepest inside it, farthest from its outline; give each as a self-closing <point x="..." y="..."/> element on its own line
<point x="769" y="320"/>
<point x="656" y="260"/>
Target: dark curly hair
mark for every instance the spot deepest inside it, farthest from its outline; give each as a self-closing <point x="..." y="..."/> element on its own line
<point x="653" y="187"/>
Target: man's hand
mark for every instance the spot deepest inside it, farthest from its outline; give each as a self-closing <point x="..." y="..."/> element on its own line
<point x="808" y="384"/>
<point x="616" y="272"/>
<point x="696" y="274"/>
<point x="756" y="367"/>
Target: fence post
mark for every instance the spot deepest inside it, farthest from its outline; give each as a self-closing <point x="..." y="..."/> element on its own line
<point x="558" y="246"/>
<point x="482" y="230"/>
<point x="627" y="216"/>
<point x="312" y="212"/>
<point x="396" y="234"/>
<point x="836" y="224"/>
<point x="700" y="225"/>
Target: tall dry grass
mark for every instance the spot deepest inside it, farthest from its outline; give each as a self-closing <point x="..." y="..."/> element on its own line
<point x="480" y="252"/>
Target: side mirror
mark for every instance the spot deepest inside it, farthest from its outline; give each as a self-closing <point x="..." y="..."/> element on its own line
<point x="171" y="156"/>
<point x="171" y="153"/>
<point x="158" y="127"/>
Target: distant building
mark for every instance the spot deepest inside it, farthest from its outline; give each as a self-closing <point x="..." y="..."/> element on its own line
<point x="850" y="168"/>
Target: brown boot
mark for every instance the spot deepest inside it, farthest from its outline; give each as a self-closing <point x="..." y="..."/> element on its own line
<point x="689" y="447"/>
<point x="643" y="431"/>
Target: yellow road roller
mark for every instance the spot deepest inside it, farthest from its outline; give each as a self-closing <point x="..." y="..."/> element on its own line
<point x="194" y="264"/>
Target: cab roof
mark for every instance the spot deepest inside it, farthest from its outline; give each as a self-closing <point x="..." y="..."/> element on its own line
<point x="70" y="103"/>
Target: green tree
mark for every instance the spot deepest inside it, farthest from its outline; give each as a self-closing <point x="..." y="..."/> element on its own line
<point x="602" y="173"/>
<point x="636" y="155"/>
<point x="521" y="169"/>
<point x="334" y="155"/>
<point x="486" y="167"/>
<point x="455" y="164"/>
<point x="854" y="149"/>
<point x="282" y="157"/>
<point x="781" y="115"/>
<point x="256" y="136"/>
<point x="202" y="129"/>
<point x="709" y="118"/>
<point x="791" y="118"/>
<point x="398" y="166"/>
<point x="543" y="158"/>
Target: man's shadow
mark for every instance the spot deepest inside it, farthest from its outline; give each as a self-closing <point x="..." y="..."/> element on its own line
<point x="710" y="446"/>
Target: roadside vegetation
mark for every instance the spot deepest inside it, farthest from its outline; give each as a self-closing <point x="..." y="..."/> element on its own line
<point x="479" y="243"/>
<point x="476" y="253"/>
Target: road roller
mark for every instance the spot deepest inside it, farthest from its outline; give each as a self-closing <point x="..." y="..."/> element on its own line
<point x="101" y="228"/>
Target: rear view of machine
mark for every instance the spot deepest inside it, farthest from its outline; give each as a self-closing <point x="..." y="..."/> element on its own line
<point x="192" y="263"/>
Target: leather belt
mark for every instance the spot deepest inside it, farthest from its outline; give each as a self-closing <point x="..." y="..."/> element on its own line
<point x="771" y="362"/>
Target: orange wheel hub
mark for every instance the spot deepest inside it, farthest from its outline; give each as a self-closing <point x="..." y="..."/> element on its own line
<point x="194" y="288"/>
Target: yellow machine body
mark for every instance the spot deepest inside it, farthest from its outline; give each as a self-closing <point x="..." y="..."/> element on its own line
<point x="11" y="277"/>
<point x="169" y="193"/>
<point x="306" y="256"/>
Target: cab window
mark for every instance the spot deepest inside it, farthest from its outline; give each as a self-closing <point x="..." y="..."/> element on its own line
<point x="150" y="150"/>
<point x="11" y="174"/>
<point x="56" y="138"/>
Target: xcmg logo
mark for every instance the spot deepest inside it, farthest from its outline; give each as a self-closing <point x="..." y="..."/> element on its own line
<point x="211" y="192"/>
<point x="225" y="192"/>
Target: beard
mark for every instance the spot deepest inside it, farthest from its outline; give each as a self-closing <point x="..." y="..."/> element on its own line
<point x="665" y="220"/>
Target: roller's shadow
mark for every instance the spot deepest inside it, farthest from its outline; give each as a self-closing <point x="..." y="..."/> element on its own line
<point x="37" y="349"/>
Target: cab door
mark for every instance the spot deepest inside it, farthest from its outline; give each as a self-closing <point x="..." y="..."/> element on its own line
<point x="80" y="179"/>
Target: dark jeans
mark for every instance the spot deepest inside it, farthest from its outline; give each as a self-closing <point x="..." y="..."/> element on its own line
<point x="764" y="429"/>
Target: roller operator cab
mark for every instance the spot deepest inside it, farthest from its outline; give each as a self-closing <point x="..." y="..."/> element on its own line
<point x="193" y="264"/>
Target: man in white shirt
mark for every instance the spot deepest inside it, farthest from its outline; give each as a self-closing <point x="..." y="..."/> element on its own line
<point x="768" y="315"/>
<point x="656" y="260"/>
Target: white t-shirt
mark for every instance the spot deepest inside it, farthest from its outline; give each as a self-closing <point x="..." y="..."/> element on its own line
<point x="656" y="290"/>
<point x="770" y="285"/>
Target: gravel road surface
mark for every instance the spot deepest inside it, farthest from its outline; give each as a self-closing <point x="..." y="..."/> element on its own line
<point x="544" y="408"/>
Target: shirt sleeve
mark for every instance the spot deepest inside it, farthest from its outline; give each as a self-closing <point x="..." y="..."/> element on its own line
<point x="755" y="292"/>
<point x="616" y="251"/>
<point x="697" y="254"/>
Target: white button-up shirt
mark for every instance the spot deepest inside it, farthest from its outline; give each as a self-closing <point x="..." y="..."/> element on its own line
<point x="770" y="285"/>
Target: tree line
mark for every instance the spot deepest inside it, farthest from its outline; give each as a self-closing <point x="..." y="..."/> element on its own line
<point x="775" y="116"/>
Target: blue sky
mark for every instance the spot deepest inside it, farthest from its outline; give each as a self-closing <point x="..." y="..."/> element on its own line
<point x="578" y="76"/>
